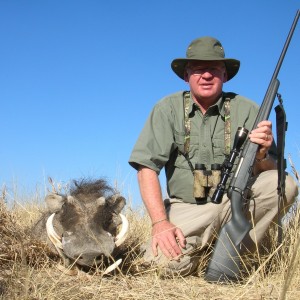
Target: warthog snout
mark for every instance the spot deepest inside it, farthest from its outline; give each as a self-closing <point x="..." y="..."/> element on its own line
<point x="87" y="250"/>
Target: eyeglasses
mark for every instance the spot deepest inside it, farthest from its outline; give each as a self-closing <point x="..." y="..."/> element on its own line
<point x="199" y="71"/>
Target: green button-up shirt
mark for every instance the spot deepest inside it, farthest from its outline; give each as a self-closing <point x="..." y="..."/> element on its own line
<point x="161" y="141"/>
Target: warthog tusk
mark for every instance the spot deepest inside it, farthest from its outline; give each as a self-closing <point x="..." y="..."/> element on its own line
<point x="120" y="238"/>
<point x="53" y="236"/>
<point x="112" y="267"/>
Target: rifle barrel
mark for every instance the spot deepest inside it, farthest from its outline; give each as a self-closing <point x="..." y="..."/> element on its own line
<point x="286" y="45"/>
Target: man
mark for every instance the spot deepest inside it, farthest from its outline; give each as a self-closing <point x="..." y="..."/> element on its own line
<point x="193" y="127"/>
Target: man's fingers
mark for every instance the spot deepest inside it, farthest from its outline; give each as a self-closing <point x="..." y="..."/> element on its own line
<point x="167" y="252"/>
<point x="169" y="239"/>
<point x="264" y="124"/>
<point x="180" y="238"/>
<point x="154" y="247"/>
<point x="175" y="249"/>
<point x="168" y="246"/>
<point x="165" y="248"/>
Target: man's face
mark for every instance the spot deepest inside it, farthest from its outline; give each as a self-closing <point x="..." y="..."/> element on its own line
<point x="206" y="80"/>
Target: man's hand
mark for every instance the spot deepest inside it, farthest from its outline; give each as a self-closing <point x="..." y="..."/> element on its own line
<point x="262" y="135"/>
<point x="165" y="235"/>
<point x="168" y="238"/>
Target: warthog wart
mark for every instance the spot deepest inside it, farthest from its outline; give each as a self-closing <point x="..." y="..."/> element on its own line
<point x="82" y="226"/>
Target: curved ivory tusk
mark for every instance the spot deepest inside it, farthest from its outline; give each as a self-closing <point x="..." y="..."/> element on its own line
<point x="120" y="238"/>
<point x="53" y="236"/>
<point x="112" y="267"/>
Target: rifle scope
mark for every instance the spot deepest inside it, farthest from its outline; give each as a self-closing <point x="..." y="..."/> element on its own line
<point x="239" y="140"/>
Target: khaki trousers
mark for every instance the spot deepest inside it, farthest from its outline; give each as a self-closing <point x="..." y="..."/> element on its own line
<point x="201" y="223"/>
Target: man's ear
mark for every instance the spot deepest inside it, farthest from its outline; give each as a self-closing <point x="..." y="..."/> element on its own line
<point x="186" y="76"/>
<point x="225" y="77"/>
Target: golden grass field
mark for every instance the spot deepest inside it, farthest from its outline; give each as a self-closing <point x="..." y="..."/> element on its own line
<point x="27" y="271"/>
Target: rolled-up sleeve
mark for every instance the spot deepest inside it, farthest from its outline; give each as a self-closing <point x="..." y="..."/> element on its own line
<point x="156" y="140"/>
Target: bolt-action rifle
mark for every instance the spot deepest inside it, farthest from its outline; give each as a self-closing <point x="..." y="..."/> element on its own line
<point x="224" y="265"/>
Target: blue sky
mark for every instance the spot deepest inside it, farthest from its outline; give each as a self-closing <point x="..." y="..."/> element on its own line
<point x="79" y="78"/>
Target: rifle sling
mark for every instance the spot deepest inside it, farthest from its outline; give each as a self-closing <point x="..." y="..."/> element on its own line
<point x="281" y="128"/>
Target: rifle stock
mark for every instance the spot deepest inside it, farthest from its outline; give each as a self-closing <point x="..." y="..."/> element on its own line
<point x="224" y="265"/>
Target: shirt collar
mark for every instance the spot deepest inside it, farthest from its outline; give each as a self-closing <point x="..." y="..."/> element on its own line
<point x="219" y="105"/>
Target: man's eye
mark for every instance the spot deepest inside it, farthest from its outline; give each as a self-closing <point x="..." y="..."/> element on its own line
<point x="199" y="71"/>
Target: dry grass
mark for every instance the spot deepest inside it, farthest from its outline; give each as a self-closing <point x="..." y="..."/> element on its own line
<point x="28" y="272"/>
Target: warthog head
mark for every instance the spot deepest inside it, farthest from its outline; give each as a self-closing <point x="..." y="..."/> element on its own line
<point x="83" y="225"/>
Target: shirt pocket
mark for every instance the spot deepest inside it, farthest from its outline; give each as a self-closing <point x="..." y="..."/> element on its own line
<point x="218" y="150"/>
<point x="180" y="160"/>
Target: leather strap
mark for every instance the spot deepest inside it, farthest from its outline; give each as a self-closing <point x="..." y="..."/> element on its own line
<point x="281" y="128"/>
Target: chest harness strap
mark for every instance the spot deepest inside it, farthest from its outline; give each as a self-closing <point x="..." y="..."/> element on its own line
<point x="227" y="126"/>
<point x="187" y="127"/>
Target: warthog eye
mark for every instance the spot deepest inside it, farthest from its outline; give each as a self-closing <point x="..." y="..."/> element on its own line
<point x="79" y="257"/>
<point x="99" y="257"/>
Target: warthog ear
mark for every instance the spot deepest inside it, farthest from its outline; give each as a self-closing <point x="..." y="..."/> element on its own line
<point x="118" y="202"/>
<point x="54" y="202"/>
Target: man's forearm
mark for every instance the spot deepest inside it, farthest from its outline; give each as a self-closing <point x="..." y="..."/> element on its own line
<point x="151" y="194"/>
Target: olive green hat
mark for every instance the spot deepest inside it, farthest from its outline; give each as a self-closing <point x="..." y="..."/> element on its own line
<point x="205" y="49"/>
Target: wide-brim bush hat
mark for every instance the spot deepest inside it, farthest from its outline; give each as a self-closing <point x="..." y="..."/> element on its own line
<point x="205" y="49"/>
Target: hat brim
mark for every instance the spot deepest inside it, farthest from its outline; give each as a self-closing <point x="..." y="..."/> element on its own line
<point x="232" y="66"/>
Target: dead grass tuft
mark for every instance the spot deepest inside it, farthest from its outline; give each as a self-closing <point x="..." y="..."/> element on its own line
<point x="28" y="270"/>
